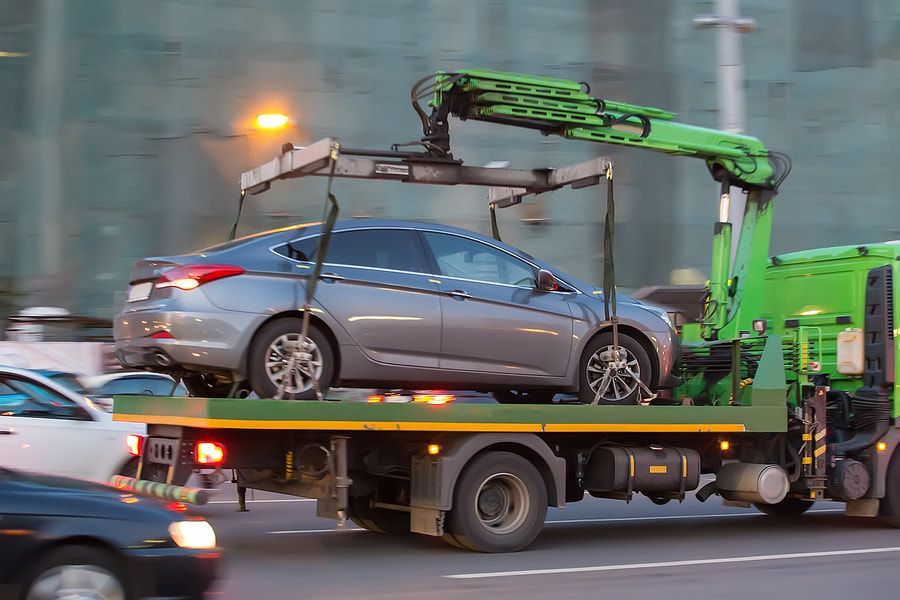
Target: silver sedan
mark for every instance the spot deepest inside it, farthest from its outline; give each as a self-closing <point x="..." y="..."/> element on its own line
<point x="399" y="304"/>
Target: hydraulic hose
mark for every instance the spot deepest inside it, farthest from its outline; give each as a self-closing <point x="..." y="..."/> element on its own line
<point x="862" y="440"/>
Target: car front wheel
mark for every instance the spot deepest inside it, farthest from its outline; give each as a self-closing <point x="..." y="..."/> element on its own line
<point x="76" y="572"/>
<point x="270" y="354"/>
<point x="609" y="379"/>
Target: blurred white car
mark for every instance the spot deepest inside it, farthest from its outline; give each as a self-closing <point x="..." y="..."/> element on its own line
<point x="46" y="426"/>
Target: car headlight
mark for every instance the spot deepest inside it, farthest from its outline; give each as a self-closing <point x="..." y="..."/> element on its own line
<point x="197" y="535"/>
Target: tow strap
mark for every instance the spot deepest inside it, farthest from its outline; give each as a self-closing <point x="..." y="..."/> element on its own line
<point x="300" y="358"/>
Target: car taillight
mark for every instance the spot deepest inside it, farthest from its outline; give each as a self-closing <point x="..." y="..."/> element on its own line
<point x="209" y="453"/>
<point x="188" y="277"/>
<point x="135" y="444"/>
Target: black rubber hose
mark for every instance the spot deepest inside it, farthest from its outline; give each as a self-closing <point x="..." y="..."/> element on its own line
<point x="862" y="440"/>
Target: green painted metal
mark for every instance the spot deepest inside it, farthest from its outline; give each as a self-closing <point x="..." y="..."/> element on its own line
<point x="763" y="418"/>
<point x="815" y="287"/>
<point x="716" y="307"/>
<point x="563" y="107"/>
<point x="769" y="385"/>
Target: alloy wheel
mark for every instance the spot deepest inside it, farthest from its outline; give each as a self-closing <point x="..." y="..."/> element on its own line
<point x="76" y="582"/>
<point x="613" y="378"/>
<point x="307" y="362"/>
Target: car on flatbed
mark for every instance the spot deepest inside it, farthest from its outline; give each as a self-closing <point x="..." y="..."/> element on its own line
<point x="406" y="304"/>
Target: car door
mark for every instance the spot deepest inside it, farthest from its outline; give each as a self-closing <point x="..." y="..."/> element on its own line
<point x="494" y="320"/>
<point x="43" y="430"/>
<point x="375" y="284"/>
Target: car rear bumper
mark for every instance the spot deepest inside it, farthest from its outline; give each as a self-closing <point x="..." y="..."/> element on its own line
<point x="172" y="572"/>
<point x="199" y="341"/>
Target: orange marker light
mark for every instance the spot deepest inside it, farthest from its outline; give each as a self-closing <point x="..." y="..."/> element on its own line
<point x="724" y="445"/>
<point x="209" y="453"/>
<point x="375" y="399"/>
<point x="881" y="446"/>
<point x="434" y="449"/>
<point x="135" y="444"/>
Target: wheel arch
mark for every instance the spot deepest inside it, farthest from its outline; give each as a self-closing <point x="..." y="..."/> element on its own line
<point x="638" y="335"/>
<point x="23" y="565"/>
<point x="430" y="491"/>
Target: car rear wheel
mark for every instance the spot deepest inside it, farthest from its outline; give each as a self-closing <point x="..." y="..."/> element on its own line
<point x="76" y="572"/>
<point x="270" y="353"/>
<point x="609" y="379"/>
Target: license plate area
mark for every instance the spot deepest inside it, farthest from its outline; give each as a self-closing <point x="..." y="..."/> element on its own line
<point x="140" y="291"/>
<point x="162" y="451"/>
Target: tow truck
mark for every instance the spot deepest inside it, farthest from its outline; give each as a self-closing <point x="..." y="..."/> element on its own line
<point x="787" y="386"/>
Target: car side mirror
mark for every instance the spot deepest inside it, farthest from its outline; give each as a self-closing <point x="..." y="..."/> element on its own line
<point x="546" y="282"/>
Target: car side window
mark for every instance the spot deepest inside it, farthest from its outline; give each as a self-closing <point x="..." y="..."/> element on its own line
<point x="394" y="249"/>
<point x="461" y="257"/>
<point x="21" y="398"/>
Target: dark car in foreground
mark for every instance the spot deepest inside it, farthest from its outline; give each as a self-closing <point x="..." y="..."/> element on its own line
<point x="66" y="538"/>
<point x="399" y="304"/>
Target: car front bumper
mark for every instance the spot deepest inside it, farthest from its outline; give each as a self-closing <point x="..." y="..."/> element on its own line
<point x="172" y="572"/>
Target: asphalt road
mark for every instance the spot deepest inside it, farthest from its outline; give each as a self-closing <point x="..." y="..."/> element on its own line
<point x="591" y="549"/>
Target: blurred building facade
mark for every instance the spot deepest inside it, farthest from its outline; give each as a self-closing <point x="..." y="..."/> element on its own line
<point x="125" y="124"/>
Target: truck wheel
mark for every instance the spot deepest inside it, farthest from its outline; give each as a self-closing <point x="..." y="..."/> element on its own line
<point x="789" y="507"/>
<point x="889" y="508"/>
<point x="499" y="504"/>
<point x="268" y="359"/>
<point x="76" y="571"/>
<point x="616" y="382"/>
<point x="378" y="520"/>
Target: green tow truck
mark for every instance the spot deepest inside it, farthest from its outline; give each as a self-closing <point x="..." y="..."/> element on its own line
<point x="787" y="387"/>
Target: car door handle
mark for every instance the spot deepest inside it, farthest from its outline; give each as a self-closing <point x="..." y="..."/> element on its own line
<point x="331" y="277"/>
<point x="7" y="431"/>
<point x="461" y="294"/>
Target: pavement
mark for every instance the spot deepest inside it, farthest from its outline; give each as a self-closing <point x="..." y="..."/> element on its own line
<point x="590" y="549"/>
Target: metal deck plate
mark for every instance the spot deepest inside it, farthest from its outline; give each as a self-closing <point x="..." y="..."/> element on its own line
<point x="227" y="413"/>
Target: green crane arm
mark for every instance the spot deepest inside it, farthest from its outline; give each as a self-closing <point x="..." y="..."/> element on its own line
<point x="566" y="108"/>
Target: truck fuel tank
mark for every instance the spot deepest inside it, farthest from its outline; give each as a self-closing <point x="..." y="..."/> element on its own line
<point x="618" y="471"/>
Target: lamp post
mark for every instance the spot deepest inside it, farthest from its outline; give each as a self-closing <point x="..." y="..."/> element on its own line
<point x="729" y="80"/>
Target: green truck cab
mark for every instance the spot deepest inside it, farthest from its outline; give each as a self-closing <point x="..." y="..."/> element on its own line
<point x="841" y="291"/>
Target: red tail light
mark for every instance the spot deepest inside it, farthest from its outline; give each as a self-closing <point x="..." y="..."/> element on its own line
<point x="135" y="444"/>
<point x="188" y="277"/>
<point x="209" y="453"/>
<point x="162" y="335"/>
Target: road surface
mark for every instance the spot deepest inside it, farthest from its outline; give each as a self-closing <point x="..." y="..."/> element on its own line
<point x="591" y="549"/>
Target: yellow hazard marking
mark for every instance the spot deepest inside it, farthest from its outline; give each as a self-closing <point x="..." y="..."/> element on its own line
<point x="658" y="469"/>
<point x="821" y="434"/>
<point x="820" y="451"/>
<point x="807" y="460"/>
<point x="323" y="425"/>
<point x="807" y="437"/>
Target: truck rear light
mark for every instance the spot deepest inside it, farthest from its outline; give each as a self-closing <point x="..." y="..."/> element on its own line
<point x="433" y="398"/>
<point x="188" y="277"/>
<point x="135" y="444"/>
<point x="209" y="453"/>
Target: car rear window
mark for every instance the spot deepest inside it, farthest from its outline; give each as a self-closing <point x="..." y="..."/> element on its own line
<point x="394" y="249"/>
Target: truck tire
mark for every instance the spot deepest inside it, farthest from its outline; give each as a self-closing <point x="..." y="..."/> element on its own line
<point x="267" y="354"/>
<point x="889" y="508"/>
<point x="623" y="389"/>
<point x="789" y="507"/>
<point x="499" y="504"/>
<point x="91" y="571"/>
<point x="377" y="520"/>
